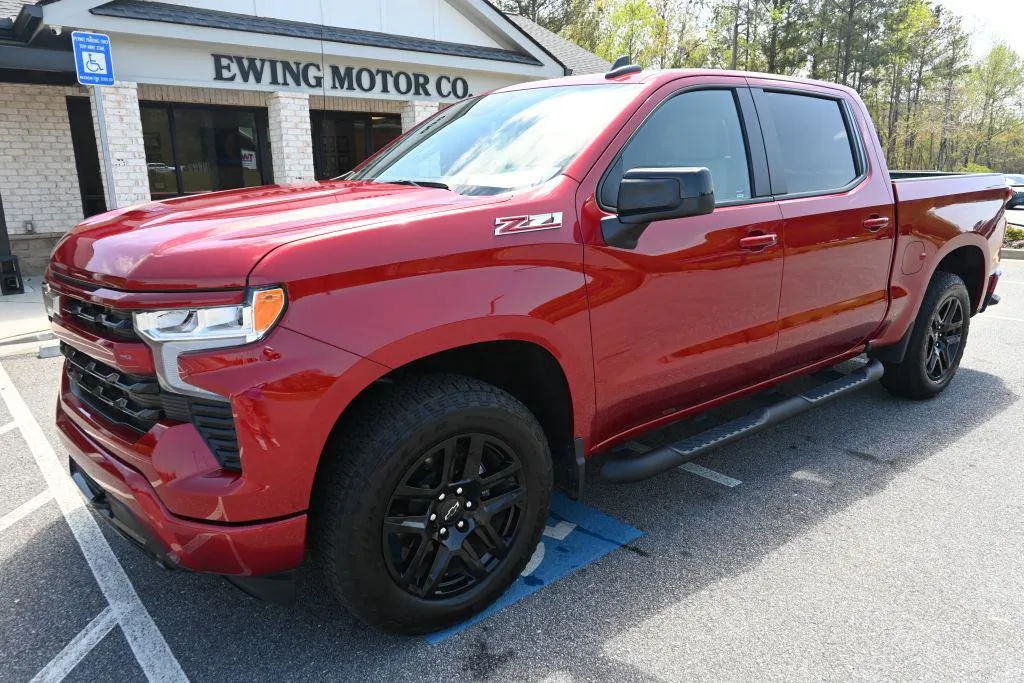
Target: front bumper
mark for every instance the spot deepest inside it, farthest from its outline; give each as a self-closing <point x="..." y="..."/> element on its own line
<point x="123" y="497"/>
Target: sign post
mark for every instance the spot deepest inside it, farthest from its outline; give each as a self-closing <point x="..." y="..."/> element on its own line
<point x="94" y="66"/>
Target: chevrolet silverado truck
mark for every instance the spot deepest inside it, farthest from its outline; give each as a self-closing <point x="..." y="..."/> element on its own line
<point x="392" y="372"/>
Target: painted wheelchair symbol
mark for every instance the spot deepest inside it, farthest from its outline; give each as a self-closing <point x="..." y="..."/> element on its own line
<point x="94" y="63"/>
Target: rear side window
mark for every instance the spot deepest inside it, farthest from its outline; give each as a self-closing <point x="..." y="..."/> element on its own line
<point x="700" y="128"/>
<point x="816" y="152"/>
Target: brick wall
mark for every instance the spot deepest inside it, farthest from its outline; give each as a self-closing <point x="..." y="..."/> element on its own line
<point x="415" y="111"/>
<point x="33" y="252"/>
<point x="10" y="8"/>
<point x="290" y="137"/>
<point x="124" y="140"/>
<point x="170" y="93"/>
<point x="356" y="104"/>
<point x="38" y="177"/>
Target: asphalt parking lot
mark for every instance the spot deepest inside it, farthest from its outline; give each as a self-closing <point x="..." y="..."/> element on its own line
<point x="872" y="539"/>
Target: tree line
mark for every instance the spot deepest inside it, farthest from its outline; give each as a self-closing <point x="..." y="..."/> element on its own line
<point x="935" y="105"/>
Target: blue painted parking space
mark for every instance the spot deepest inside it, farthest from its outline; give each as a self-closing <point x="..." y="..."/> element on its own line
<point x="575" y="536"/>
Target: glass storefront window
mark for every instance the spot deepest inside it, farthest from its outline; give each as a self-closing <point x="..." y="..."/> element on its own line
<point x="341" y="141"/>
<point x="156" y="137"/>
<point x="385" y="129"/>
<point x="194" y="149"/>
<point x="218" y="149"/>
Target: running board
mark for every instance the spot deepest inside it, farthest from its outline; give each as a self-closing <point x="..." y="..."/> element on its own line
<point x="673" y="455"/>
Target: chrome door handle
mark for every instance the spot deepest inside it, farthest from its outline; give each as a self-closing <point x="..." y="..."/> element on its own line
<point x="759" y="241"/>
<point x="876" y="223"/>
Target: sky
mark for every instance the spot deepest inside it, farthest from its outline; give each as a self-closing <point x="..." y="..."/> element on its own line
<point x="992" y="21"/>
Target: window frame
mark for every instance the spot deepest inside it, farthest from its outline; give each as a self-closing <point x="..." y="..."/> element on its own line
<point x="753" y="142"/>
<point x="263" y="155"/>
<point x="773" y="146"/>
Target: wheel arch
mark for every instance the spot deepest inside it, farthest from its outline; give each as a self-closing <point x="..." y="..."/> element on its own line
<point x="528" y="366"/>
<point x="962" y="257"/>
<point x="966" y="261"/>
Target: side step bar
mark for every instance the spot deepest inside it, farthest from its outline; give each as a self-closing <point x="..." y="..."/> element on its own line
<point x="665" y="458"/>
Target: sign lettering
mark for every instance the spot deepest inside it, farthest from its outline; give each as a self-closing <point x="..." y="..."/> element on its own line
<point x="259" y="70"/>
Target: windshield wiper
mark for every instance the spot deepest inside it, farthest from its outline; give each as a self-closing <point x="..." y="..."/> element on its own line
<point x="416" y="183"/>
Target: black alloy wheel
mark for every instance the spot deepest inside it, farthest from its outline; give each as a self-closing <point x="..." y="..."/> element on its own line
<point x="453" y="516"/>
<point x="944" y="338"/>
<point x="429" y="502"/>
<point x="936" y="343"/>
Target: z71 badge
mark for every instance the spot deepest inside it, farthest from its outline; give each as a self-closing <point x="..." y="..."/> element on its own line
<point x="516" y="224"/>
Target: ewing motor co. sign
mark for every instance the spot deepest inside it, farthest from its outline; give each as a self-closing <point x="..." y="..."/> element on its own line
<point x="260" y="71"/>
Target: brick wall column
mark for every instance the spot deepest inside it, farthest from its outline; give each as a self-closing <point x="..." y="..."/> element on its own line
<point x="291" y="140"/>
<point x="415" y="112"/>
<point x="119" y="105"/>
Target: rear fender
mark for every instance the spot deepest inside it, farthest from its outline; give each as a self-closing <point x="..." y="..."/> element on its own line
<point x="908" y="290"/>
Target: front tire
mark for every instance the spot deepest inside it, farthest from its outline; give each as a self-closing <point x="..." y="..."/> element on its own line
<point x="430" y="502"/>
<point x="937" y="342"/>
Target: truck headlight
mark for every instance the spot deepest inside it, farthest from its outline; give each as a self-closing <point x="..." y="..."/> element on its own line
<point x="173" y="332"/>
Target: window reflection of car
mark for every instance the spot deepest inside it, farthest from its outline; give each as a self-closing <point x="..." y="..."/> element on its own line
<point x="159" y="168"/>
<point x="1016" y="182"/>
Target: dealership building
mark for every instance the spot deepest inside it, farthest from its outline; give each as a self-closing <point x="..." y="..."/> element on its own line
<point x="213" y="95"/>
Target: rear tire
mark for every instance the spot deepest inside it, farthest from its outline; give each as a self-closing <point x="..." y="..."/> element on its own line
<point x="937" y="342"/>
<point x="372" y="533"/>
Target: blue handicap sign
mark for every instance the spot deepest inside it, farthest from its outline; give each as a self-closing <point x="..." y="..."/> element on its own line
<point x="575" y="536"/>
<point x="94" y="64"/>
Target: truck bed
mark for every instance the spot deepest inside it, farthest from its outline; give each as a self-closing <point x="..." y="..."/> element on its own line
<point x="898" y="176"/>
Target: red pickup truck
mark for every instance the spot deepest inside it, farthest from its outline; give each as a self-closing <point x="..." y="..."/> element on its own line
<point x="393" y="371"/>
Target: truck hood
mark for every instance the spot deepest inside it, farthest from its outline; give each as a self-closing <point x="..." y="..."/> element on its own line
<point x="213" y="241"/>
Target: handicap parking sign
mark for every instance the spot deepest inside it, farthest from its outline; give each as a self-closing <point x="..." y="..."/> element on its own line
<point x="93" y="63"/>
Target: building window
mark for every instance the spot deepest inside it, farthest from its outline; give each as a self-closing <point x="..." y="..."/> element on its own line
<point x="192" y="149"/>
<point x="341" y="140"/>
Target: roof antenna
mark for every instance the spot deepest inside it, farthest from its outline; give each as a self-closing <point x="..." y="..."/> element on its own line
<point x="623" y="66"/>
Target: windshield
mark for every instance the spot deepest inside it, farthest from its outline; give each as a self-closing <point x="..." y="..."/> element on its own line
<point x="1015" y="179"/>
<point x="501" y="142"/>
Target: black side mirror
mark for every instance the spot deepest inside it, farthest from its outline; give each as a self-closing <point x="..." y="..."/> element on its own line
<point x="656" y="194"/>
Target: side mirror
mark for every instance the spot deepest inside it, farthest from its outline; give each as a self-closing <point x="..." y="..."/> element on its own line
<point x="656" y="194"/>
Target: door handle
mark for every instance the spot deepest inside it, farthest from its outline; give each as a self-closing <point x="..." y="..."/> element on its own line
<point x="876" y="223"/>
<point x="759" y="241"/>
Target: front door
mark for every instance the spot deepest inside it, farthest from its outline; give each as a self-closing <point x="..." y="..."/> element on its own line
<point x="839" y="225"/>
<point x="690" y="313"/>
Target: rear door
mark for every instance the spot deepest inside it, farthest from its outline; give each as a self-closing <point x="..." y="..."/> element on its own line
<point x="689" y="313"/>
<point x="839" y="222"/>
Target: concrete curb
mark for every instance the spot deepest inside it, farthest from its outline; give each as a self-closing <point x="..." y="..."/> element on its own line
<point x="1015" y="254"/>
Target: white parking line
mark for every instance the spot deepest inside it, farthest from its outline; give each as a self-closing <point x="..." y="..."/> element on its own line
<point x="75" y="651"/>
<point x="1001" y="317"/>
<point x="24" y="510"/>
<point x="9" y="427"/>
<point x="148" y="644"/>
<point x="717" y="477"/>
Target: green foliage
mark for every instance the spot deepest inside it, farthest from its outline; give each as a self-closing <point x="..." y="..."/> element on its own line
<point x="1013" y="234"/>
<point x="910" y="60"/>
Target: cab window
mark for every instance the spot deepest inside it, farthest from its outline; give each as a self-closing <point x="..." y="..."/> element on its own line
<point x="700" y="128"/>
